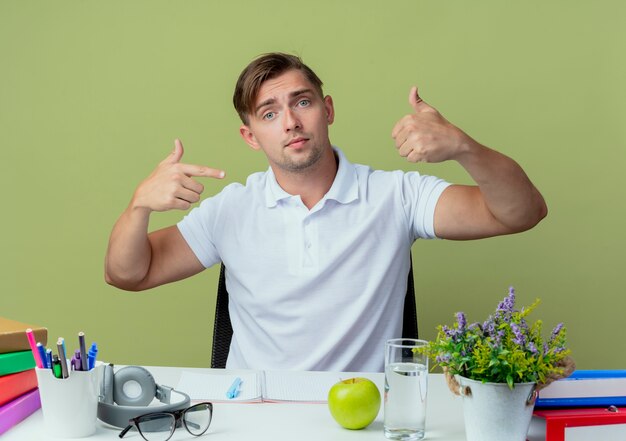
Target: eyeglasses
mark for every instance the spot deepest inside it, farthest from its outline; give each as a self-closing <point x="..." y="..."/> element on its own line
<point x="160" y="426"/>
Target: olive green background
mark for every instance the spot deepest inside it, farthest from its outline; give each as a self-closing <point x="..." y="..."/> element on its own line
<point x="93" y="93"/>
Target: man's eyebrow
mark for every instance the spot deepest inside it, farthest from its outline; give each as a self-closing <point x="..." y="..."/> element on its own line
<point x="270" y="101"/>
<point x="299" y="92"/>
<point x="267" y="102"/>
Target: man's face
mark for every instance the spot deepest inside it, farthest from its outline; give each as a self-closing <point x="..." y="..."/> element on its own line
<point x="289" y="122"/>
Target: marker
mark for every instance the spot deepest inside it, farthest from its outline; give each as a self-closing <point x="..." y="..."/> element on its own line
<point x="62" y="358"/>
<point x="83" y="350"/>
<point x="76" y="361"/>
<point x="91" y="358"/>
<point x="233" y="390"/>
<point x="33" y="347"/>
<point x="56" y="367"/>
<point x="42" y="355"/>
<point x="49" y="358"/>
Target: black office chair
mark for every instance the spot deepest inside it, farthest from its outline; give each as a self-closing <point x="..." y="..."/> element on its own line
<point x="223" y="330"/>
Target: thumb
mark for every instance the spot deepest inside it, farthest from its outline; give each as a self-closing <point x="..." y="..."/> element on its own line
<point x="177" y="153"/>
<point x="418" y="104"/>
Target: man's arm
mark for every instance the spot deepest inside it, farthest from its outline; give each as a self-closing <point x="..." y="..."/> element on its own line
<point x="505" y="201"/>
<point x="136" y="260"/>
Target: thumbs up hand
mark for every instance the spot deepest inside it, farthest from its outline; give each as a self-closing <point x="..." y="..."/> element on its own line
<point x="170" y="185"/>
<point x="425" y="135"/>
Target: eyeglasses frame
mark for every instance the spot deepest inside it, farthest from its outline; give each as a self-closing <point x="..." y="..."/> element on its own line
<point x="178" y="418"/>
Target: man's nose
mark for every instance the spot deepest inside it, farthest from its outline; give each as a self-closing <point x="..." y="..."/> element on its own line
<point x="291" y="120"/>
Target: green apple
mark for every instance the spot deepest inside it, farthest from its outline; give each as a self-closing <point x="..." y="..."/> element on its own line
<point x="354" y="403"/>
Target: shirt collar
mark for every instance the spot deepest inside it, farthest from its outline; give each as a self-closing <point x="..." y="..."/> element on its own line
<point x="344" y="190"/>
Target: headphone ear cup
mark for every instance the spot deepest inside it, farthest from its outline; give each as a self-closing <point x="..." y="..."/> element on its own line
<point x="133" y="374"/>
<point x="107" y="384"/>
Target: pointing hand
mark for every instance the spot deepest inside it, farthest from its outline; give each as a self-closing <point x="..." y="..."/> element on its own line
<point x="171" y="184"/>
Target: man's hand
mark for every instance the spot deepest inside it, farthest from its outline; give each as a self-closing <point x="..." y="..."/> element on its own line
<point x="170" y="185"/>
<point x="504" y="201"/>
<point x="426" y="136"/>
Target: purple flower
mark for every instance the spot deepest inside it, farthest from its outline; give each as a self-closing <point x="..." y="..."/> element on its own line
<point x="532" y="347"/>
<point x="460" y="318"/>
<point x="556" y="331"/>
<point x="450" y="333"/>
<point x="519" y="338"/>
<point x="443" y="358"/>
<point x="505" y="307"/>
<point x="489" y="327"/>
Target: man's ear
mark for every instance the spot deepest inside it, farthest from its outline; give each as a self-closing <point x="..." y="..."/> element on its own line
<point x="249" y="137"/>
<point x="330" y="109"/>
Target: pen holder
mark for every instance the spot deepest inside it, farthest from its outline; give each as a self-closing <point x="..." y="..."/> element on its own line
<point x="70" y="405"/>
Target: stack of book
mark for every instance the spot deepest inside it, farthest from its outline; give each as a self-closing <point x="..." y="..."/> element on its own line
<point x="19" y="396"/>
<point x="589" y="404"/>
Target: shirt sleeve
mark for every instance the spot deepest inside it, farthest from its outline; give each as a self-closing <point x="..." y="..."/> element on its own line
<point x="197" y="228"/>
<point x="420" y="194"/>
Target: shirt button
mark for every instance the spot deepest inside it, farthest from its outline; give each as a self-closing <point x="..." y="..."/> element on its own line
<point x="308" y="245"/>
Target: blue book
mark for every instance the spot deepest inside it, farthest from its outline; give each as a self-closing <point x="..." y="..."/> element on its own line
<point x="586" y="388"/>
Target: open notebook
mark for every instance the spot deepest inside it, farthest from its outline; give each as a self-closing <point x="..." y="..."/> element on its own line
<point x="266" y="386"/>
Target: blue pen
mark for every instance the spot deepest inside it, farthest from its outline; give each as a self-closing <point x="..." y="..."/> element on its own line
<point x="233" y="390"/>
<point x="42" y="355"/>
<point x="49" y="358"/>
<point x="91" y="358"/>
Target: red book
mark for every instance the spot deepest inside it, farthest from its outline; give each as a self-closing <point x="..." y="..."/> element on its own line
<point x="14" y="385"/>
<point x="563" y="424"/>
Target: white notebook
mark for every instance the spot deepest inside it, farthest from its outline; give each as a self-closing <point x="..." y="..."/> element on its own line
<point x="268" y="386"/>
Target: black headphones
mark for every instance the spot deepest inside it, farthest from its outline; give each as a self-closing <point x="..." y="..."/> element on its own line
<point x="117" y="407"/>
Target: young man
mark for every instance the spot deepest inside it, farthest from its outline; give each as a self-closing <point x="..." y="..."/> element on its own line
<point x="316" y="248"/>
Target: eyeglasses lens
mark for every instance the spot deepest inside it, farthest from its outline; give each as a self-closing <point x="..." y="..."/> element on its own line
<point x="197" y="418"/>
<point x="156" y="426"/>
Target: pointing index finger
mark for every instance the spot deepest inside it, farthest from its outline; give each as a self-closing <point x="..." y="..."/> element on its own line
<point x="201" y="170"/>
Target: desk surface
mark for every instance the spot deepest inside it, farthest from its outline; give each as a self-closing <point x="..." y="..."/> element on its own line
<point x="282" y="421"/>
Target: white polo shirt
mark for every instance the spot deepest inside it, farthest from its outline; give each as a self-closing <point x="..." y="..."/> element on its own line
<point x="319" y="289"/>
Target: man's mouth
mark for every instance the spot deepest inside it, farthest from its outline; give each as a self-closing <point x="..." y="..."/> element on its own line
<point x="297" y="142"/>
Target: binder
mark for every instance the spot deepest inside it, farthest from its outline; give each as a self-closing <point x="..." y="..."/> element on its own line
<point x="585" y="388"/>
<point x="13" y="362"/>
<point x="583" y="423"/>
<point x="14" y="385"/>
<point x="13" y="335"/>
<point x="18" y="410"/>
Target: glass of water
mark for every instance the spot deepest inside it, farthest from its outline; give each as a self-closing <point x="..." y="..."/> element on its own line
<point x="406" y="384"/>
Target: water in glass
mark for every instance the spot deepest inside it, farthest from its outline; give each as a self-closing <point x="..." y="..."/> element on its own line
<point x="406" y="385"/>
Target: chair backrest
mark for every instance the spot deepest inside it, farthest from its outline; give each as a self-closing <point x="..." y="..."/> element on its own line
<point x="223" y="329"/>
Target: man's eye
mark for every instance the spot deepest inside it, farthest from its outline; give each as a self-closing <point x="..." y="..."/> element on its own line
<point x="304" y="103"/>
<point x="269" y="115"/>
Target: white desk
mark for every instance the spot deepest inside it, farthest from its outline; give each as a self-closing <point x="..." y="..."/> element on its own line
<point x="276" y="422"/>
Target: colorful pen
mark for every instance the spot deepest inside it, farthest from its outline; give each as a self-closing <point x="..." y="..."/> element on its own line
<point x="233" y="390"/>
<point x="83" y="350"/>
<point x="62" y="358"/>
<point x="63" y="343"/>
<point x="49" y="358"/>
<point x="91" y="358"/>
<point x="33" y="347"/>
<point x="42" y="355"/>
<point x="56" y="367"/>
<point x="76" y="361"/>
